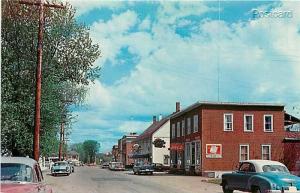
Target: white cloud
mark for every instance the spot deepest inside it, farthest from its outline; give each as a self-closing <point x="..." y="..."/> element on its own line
<point x="258" y="60"/>
<point x="84" y="6"/>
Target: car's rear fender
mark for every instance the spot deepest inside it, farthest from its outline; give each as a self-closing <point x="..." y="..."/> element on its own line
<point x="259" y="181"/>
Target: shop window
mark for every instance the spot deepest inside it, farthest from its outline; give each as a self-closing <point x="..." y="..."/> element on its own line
<point x="166" y="159"/>
<point x="198" y="153"/>
<point x="266" y="152"/>
<point x="187" y="154"/>
<point x="228" y="122"/>
<point x="193" y="154"/>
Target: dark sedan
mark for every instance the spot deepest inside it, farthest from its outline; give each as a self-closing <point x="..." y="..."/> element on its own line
<point x="141" y="168"/>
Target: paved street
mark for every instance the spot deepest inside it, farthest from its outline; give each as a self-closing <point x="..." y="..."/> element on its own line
<point x="94" y="180"/>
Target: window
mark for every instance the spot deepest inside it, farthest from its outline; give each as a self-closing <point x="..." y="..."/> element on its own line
<point x="268" y="123"/>
<point x="189" y="125"/>
<point x="178" y="129"/>
<point x="247" y="167"/>
<point x="183" y="127"/>
<point x="228" y="122"/>
<point x="166" y="159"/>
<point x="266" y="152"/>
<point x="198" y="153"/>
<point x="173" y="130"/>
<point x="187" y="153"/>
<point x="244" y="152"/>
<point x="248" y="123"/>
<point x="196" y="123"/>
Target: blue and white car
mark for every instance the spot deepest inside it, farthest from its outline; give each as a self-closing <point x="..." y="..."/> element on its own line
<point x="261" y="176"/>
<point x="61" y="167"/>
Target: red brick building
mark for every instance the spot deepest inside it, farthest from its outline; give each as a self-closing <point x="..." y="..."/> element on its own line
<point x="125" y="144"/>
<point x="292" y="144"/>
<point x="115" y="153"/>
<point x="209" y="138"/>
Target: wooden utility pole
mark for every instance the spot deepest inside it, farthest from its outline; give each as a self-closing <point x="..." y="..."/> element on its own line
<point x="62" y="139"/>
<point x="37" y="120"/>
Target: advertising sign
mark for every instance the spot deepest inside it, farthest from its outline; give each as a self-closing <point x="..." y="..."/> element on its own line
<point x="213" y="150"/>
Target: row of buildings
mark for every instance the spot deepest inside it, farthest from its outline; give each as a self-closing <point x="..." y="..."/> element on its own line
<point x="210" y="138"/>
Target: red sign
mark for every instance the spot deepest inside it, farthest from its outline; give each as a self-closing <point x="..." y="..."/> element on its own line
<point x="176" y="146"/>
<point x="214" y="150"/>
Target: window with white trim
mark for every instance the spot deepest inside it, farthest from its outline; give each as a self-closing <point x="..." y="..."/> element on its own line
<point x="244" y="152"/>
<point x="266" y="152"/>
<point x="189" y="125"/>
<point x="196" y="123"/>
<point x="228" y="122"/>
<point x="268" y="123"/>
<point x="173" y="130"/>
<point x="248" y="123"/>
<point x="183" y="127"/>
<point x="178" y="129"/>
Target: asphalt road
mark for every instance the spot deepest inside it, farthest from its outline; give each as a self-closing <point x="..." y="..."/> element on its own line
<point x="96" y="180"/>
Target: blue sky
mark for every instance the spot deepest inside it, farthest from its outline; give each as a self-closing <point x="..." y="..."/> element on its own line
<point x="157" y="53"/>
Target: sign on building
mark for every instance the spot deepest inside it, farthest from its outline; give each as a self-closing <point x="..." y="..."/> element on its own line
<point x="213" y="150"/>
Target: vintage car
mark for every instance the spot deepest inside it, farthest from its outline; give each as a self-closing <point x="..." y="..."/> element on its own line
<point x="142" y="168"/>
<point x="105" y="165"/>
<point x="60" y="167"/>
<point x="116" y="166"/>
<point x="259" y="176"/>
<point x="22" y="175"/>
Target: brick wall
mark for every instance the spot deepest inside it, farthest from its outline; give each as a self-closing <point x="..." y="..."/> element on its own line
<point x="213" y="133"/>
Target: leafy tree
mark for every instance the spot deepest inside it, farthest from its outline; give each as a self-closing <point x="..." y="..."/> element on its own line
<point x="90" y="148"/>
<point x="67" y="69"/>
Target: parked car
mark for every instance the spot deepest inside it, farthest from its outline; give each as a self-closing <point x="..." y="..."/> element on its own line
<point x="60" y="167"/>
<point x="158" y="167"/>
<point x="116" y="166"/>
<point x="142" y="168"/>
<point x="71" y="164"/>
<point x="259" y="176"/>
<point x="105" y="165"/>
<point x="22" y="175"/>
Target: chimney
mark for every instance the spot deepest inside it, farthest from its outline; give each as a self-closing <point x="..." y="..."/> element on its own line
<point x="177" y="107"/>
<point x="154" y="119"/>
<point x="160" y="117"/>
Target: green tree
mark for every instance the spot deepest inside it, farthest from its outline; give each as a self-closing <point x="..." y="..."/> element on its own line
<point x="67" y="69"/>
<point x="90" y="149"/>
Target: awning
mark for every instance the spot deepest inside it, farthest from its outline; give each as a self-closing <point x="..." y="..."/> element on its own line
<point x="136" y="156"/>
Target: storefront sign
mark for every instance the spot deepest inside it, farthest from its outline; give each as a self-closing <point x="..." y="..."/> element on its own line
<point x="213" y="150"/>
<point x="176" y="146"/>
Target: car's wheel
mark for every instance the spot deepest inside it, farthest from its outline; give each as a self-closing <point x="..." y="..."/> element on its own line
<point x="256" y="190"/>
<point x="151" y="173"/>
<point x="226" y="189"/>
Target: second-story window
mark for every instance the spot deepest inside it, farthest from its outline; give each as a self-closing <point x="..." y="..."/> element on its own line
<point x="173" y="131"/>
<point x="189" y="125"/>
<point x="183" y="127"/>
<point x="268" y="123"/>
<point x="248" y="123"/>
<point x="228" y="122"/>
<point x="195" y="123"/>
<point x="178" y="129"/>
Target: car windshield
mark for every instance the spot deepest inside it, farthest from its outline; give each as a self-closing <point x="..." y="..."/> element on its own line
<point x="275" y="168"/>
<point x="16" y="172"/>
<point x="60" y="164"/>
